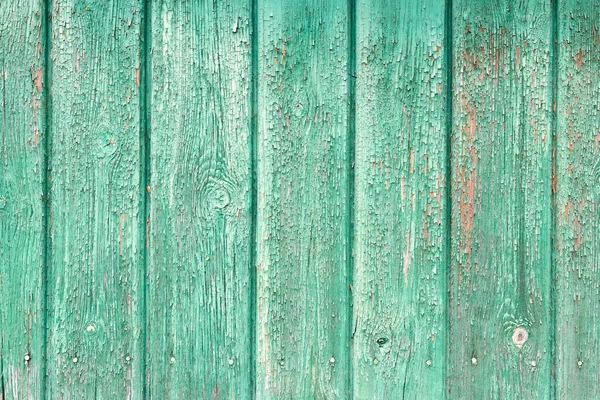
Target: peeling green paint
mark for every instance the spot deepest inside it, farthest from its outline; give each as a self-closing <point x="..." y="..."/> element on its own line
<point x="299" y="199"/>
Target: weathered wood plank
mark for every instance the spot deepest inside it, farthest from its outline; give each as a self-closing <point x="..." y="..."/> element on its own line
<point x="401" y="224"/>
<point x="578" y="200"/>
<point x="22" y="142"/>
<point x="500" y="310"/>
<point x="303" y="206"/>
<point x="95" y="292"/>
<point x="200" y="208"/>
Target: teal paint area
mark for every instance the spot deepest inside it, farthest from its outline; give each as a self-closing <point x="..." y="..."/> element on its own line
<point x="310" y="199"/>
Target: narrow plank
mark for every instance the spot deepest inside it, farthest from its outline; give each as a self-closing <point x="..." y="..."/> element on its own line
<point x="200" y="208"/>
<point x="96" y="296"/>
<point x="578" y="200"/>
<point x="22" y="142"/>
<point x="303" y="206"/>
<point x="401" y="207"/>
<point x="500" y="311"/>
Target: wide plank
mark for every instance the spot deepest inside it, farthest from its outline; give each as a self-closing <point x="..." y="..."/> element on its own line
<point x="200" y="249"/>
<point x="500" y="322"/>
<point x="303" y="168"/>
<point x="96" y="301"/>
<point x="401" y="207"/>
<point x="22" y="198"/>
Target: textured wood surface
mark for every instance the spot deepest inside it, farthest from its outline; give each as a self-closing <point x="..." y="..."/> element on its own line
<point x="578" y="201"/>
<point x="358" y="199"/>
<point x="200" y="208"/>
<point x="400" y="206"/>
<point x="500" y="308"/>
<point x="95" y="293"/>
<point x="303" y="203"/>
<point x="22" y="164"/>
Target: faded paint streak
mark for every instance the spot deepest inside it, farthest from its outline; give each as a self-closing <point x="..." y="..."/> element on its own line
<point x="407" y="257"/>
<point x="38" y="81"/>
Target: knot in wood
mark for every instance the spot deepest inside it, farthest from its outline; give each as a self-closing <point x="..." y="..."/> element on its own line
<point x="519" y="337"/>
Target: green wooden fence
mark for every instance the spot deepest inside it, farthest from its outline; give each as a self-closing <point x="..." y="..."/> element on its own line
<point x="300" y="199"/>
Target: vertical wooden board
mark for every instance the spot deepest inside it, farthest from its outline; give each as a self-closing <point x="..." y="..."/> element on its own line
<point x="200" y="216"/>
<point x="578" y="200"/>
<point x="95" y="292"/>
<point x="400" y="204"/>
<point x="22" y="139"/>
<point x="500" y="322"/>
<point x="303" y="206"/>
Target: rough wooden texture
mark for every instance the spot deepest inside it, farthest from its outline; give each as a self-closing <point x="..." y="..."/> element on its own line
<point x="303" y="206"/>
<point x="400" y="258"/>
<point x="578" y="201"/>
<point x="500" y="310"/>
<point x="95" y="295"/>
<point x="22" y="138"/>
<point x="284" y="199"/>
<point x="200" y="208"/>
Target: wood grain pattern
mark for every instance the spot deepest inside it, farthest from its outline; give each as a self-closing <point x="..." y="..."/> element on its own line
<point x="500" y="316"/>
<point x="303" y="206"/>
<point x="286" y="199"/>
<point x="400" y="244"/>
<point x="578" y="201"/>
<point x="200" y="208"/>
<point x="22" y="143"/>
<point x="95" y="292"/>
